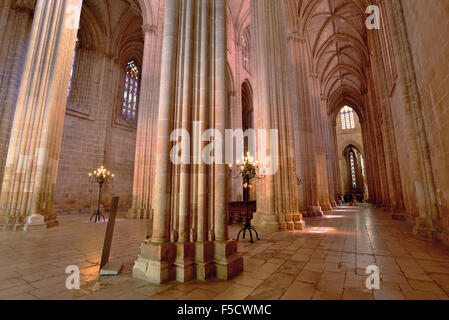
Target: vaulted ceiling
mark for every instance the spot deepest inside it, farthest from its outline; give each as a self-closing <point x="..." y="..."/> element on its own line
<point x="336" y="35"/>
<point x="112" y="26"/>
<point x="239" y="18"/>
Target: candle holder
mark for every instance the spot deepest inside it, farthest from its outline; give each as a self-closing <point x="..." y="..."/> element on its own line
<point x="248" y="171"/>
<point x="100" y="176"/>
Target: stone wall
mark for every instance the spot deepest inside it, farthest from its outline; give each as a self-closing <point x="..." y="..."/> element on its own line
<point x="428" y="31"/>
<point x="96" y="135"/>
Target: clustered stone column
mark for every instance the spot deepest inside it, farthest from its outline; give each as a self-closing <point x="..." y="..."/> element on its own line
<point x="428" y="224"/>
<point x="190" y="236"/>
<point x="31" y="167"/>
<point x="16" y="17"/>
<point x="277" y="195"/>
<point x="309" y="146"/>
<point x="379" y="100"/>
<point x="147" y="126"/>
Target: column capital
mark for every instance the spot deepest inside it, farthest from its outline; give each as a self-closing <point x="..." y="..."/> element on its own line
<point x="323" y="97"/>
<point x="23" y="5"/>
<point x="314" y="75"/>
<point x="149" y="28"/>
<point x="295" y="36"/>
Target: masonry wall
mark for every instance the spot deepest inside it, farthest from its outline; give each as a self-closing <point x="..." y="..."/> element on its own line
<point x="428" y="31"/>
<point x="95" y="135"/>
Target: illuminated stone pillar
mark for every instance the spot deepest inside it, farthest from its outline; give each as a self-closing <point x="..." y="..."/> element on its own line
<point x="16" y="18"/>
<point x="428" y="224"/>
<point x="147" y="124"/>
<point x="190" y="237"/>
<point x="277" y="195"/>
<point x="304" y="116"/>
<point x="31" y="167"/>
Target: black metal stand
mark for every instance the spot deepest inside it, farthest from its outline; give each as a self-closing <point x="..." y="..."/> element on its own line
<point x="248" y="227"/>
<point x="98" y="215"/>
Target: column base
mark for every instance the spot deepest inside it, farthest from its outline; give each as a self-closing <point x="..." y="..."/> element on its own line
<point x="228" y="261"/>
<point x="399" y="216"/>
<point x="298" y="221"/>
<point x="424" y="230"/>
<point x="293" y="221"/>
<point x="266" y="222"/>
<point x="316" y="211"/>
<point x="286" y="222"/>
<point x="160" y="263"/>
<point x="185" y="269"/>
<point x="445" y="237"/>
<point x="155" y="263"/>
<point x="140" y="214"/>
<point x="204" y="260"/>
<point x="37" y="222"/>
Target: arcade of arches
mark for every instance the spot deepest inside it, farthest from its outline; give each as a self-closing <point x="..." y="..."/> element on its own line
<point x="359" y="113"/>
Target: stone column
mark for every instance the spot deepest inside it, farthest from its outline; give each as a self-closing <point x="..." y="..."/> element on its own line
<point x="146" y="128"/>
<point x="428" y="224"/>
<point x="16" y="18"/>
<point x="277" y="195"/>
<point x="190" y="238"/>
<point x="395" y="201"/>
<point x="305" y="117"/>
<point x="31" y="168"/>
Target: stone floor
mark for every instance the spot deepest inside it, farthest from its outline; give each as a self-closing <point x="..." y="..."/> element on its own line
<point x="326" y="261"/>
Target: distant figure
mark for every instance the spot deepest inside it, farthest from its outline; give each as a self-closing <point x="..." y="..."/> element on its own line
<point x="340" y="200"/>
<point x="354" y="199"/>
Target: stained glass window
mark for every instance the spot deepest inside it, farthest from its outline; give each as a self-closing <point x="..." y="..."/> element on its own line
<point x="362" y="165"/>
<point x="353" y="173"/>
<point x="72" y="71"/>
<point x="245" y="53"/>
<point x="131" y="91"/>
<point x="347" y="118"/>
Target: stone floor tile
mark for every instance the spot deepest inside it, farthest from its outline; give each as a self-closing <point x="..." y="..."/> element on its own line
<point x="265" y="293"/>
<point x="199" y="294"/>
<point x="323" y="295"/>
<point x="35" y="262"/>
<point x="309" y="277"/>
<point x="299" y="291"/>
<point x="234" y="292"/>
<point x="167" y="295"/>
<point x="357" y="294"/>
<point x="279" y="280"/>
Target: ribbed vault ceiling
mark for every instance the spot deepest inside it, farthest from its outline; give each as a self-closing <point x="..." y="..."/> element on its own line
<point x="113" y="26"/>
<point x="336" y="34"/>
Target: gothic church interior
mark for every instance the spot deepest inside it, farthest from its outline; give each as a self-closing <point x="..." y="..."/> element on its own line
<point x="347" y="99"/>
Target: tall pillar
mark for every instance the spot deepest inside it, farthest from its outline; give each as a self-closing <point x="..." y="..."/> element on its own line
<point x="277" y="195"/>
<point x="146" y="128"/>
<point x="31" y="167"/>
<point x="428" y="224"/>
<point x="190" y="237"/>
<point x="16" y="18"/>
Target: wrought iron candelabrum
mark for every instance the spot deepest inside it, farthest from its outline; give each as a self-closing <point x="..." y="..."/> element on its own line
<point x="249" y="170"/>
<point x="100" y="176"/>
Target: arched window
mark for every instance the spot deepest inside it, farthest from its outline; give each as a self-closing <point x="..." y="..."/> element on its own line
<point x="245" y="54"/>
<point x="362" y="165"/>
<point x="72" y="71"/>
<point x="347" y="118"/>
<point x="353" y="172"/>
<point x="131" y="92"/>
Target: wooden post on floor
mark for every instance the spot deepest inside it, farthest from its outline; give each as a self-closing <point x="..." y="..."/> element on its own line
<point x="107" y="268"/>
